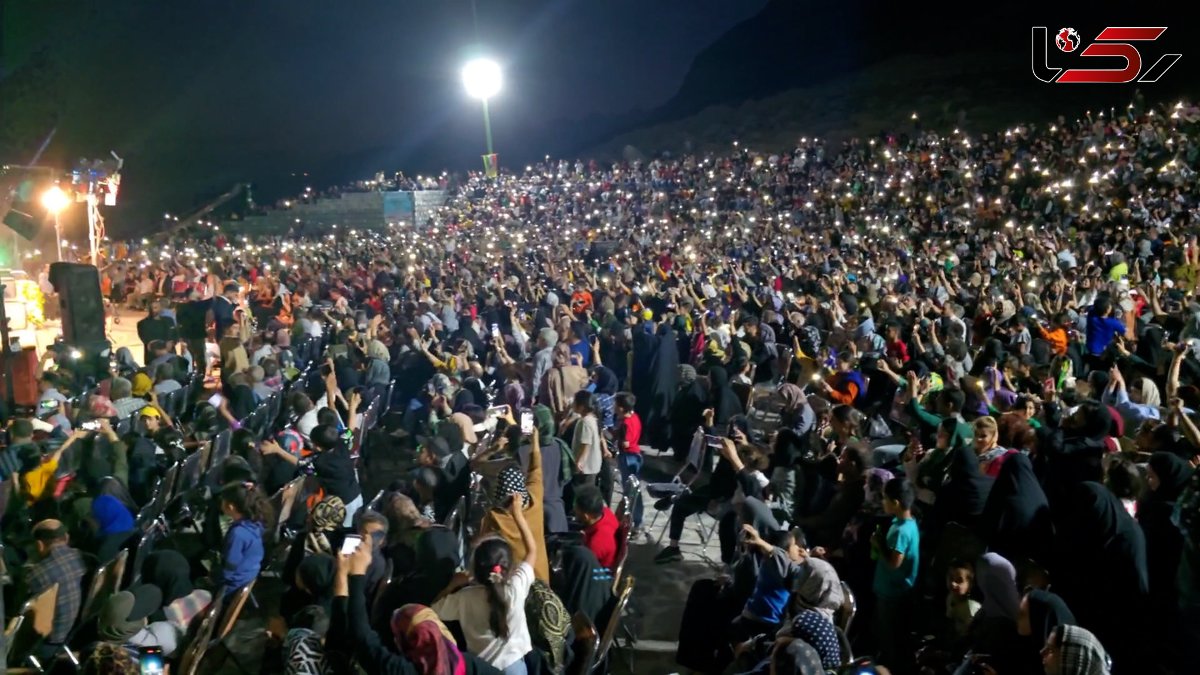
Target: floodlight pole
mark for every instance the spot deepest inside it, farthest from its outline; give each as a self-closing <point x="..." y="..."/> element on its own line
<point x="487" y="126"/>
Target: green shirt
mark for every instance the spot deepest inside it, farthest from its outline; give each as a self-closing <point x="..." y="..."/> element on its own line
<point x="904" y="538"/>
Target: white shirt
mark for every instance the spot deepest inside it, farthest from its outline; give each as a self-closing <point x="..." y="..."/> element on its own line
<point x="587" y="432"/>
<point x="470" y="608"/>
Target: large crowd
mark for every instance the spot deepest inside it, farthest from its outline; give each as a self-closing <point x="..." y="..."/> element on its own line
<point x="942" y="382"/>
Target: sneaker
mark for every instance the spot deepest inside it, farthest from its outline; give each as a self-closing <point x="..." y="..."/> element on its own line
<point x="668" y="555"/>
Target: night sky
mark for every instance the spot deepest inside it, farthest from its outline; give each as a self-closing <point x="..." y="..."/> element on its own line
<point x="198" y="94"/>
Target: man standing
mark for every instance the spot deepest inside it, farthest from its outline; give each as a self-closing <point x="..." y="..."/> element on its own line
<point x="155" y="327"/>
<point x="60" y="564"/>
<point x="193" y="328"/>
<point x="223" y="307"/>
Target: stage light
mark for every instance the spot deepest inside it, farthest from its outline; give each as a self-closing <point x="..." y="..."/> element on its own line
<point x="55" y="200"/>
<point x="482" y="78"/>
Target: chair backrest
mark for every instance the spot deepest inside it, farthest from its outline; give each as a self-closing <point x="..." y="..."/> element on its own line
<point x="376" y="501"/>
<point x="624" y="532"/>
<point x="105" y="582"/>
<point x="145" y="547"/>
<point x="221" y="444"/>
<point x="622" y="508"/>
<point x="283" y="501"/>
<point x="163" y="492"/>
<point x="40" y="611"/>
<point x="230" y="616"/>
<point x="614" y="621"/>
<point x="189" y="663"/>
<point x="29" y="626"/>
<point x="845" y="613"/>
<point x="587" y="643"/>
<point x="381" y="586"/>
<point x="190" y="472"/>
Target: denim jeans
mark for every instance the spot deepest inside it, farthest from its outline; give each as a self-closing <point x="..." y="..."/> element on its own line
<point x="630" y="464"/>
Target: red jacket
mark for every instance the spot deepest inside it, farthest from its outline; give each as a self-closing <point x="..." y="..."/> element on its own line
<point x="601" y="538"/>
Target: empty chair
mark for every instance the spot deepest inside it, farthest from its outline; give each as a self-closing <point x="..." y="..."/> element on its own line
<point x="237" y="601"/>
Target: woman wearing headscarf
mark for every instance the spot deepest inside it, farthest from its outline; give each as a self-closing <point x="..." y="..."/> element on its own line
<point x="1166" y="476"/>
<point x="562" y="381"/>
<point x="583" y="584"/>
<point x="422" y="637"/>
<point x="816" y="629"/>
<point x="687" y="411"/>
<point x="994" y="629"/>
<point x="378" y="373"/>
<point x="182" y="601"/>
<point x="1072" y="650"/>
<point x="964" y="495"/>
<point x="314" y="580"/>
<point x="1100" y="569"/>
<point x="500" y="520"/>
<point x="1016" y="520"/>
<point x="1040" y="613"/>
<point x="557" y="465"/>
<point x="664" y="369"/>
<point x="721" y="397"/>
<point x="123" y="620"/>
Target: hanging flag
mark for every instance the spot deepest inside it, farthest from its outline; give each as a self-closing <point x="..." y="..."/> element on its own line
<point x="491" y="165"/>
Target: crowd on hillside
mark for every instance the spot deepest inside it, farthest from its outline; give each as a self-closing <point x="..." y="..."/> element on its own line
<point x="942" y="382"/>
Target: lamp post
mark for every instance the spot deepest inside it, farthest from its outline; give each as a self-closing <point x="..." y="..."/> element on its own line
<point x="55" y="200"/>
<point x="482" y="79"/>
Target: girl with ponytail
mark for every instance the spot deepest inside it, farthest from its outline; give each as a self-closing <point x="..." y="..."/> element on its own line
<point x="249" y="510"/>
<point x="491" y="607"/>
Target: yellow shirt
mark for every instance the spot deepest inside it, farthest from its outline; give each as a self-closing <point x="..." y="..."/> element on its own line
<point x="35" y="482"/>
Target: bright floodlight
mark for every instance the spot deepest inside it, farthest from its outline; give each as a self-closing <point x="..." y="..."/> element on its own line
<point x="55" y="199"/>
<point x="482" y="78"/>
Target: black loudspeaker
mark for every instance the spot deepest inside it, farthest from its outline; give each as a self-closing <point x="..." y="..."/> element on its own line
<point x="78" y="289"/>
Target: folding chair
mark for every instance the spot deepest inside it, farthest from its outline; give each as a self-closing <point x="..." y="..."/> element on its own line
<point x="163" y="492"/>
<point x="32" y="624"/>
<point x="105" y="582"/>
<point x="189" y="662"/>
<point x="221" y="444"/>
<point x="610" y="631"/>
<point x="233" y="611"/>
<point x="587" y="643"/>
<point x="145" y="547"/>
<point x="381" y="587"/>
<point x="624" y="532"/>
<point x="842" y="619"/>
<point x="680" y="484"/>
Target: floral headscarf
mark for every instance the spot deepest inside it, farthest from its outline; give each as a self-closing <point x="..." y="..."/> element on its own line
<point x="327" y="516"/>
<point x="422" y="637"/>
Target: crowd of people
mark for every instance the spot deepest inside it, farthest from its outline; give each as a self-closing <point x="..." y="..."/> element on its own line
<point x="949" y="380"/>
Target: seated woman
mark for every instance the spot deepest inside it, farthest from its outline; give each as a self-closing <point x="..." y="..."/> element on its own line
<point x="182" y="601"/>
<point x="503" y="521"/>
<point x="421" y="650"/>
<point x="491" y="611"/>
<point x="123" y="620"/>
<point x="583" y="584"/>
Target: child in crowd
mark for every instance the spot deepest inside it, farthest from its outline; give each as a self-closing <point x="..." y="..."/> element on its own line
<point x="242" y="553"/>
<point x="960" y="608"/>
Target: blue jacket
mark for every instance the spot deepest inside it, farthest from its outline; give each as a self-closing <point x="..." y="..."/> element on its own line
<point x="1100" y="332"/>
<point x="242" y="556"/>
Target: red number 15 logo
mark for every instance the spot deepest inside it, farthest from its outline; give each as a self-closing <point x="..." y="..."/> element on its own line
<point x="1113" y="41"/>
